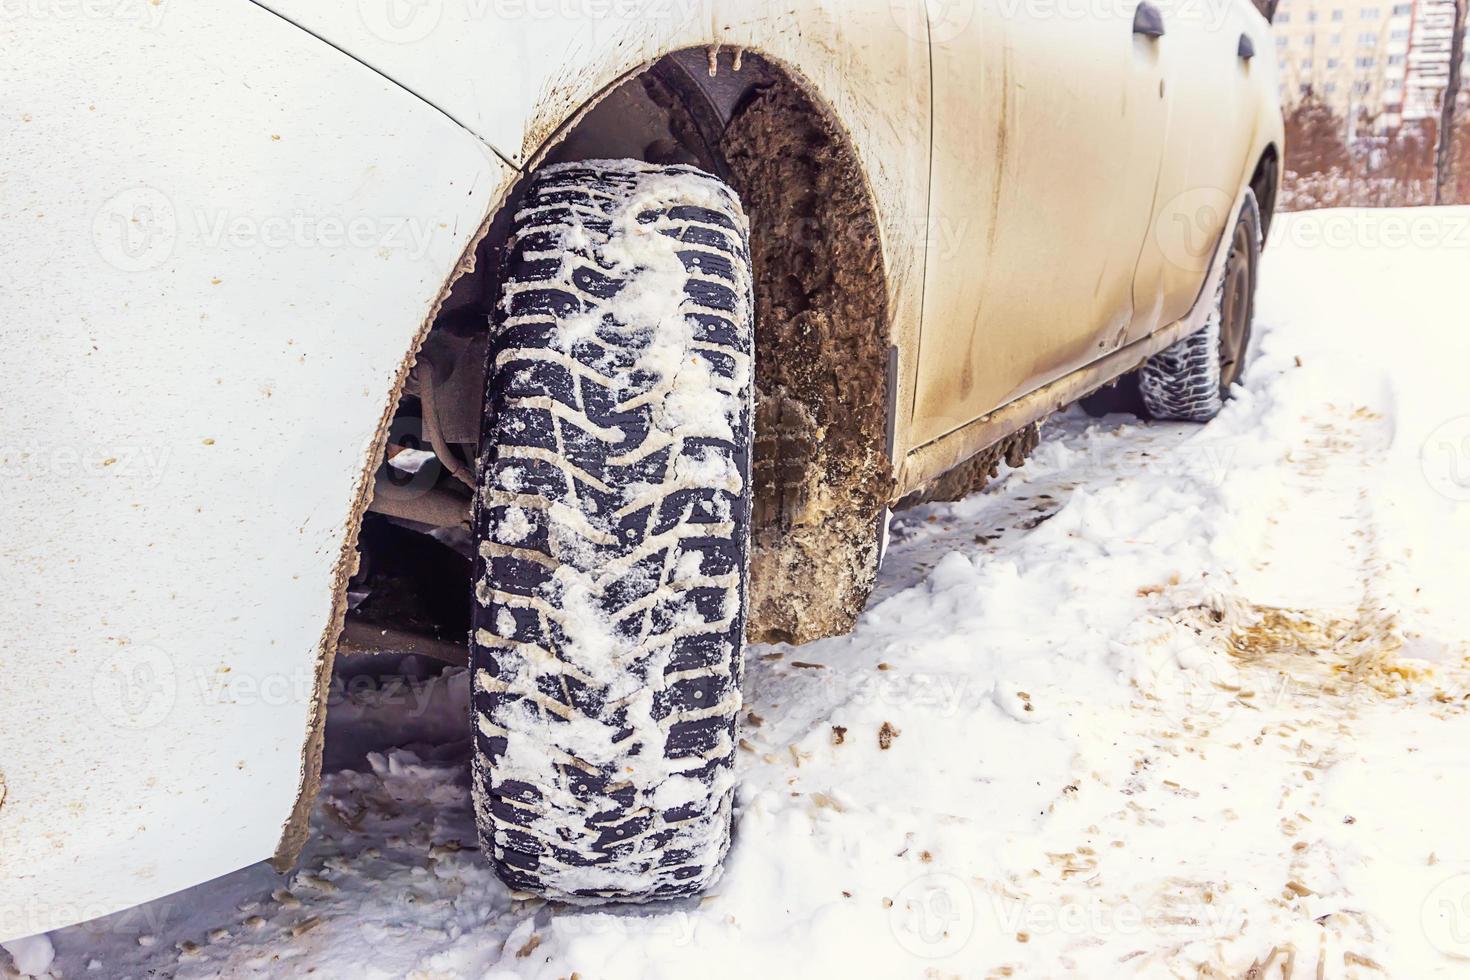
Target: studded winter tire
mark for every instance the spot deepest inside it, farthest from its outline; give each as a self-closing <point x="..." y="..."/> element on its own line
<point x="612" y="527"/>
<point x="1190" y="379"/>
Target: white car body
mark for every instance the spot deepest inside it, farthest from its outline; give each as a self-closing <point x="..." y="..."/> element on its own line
<point x="226" y="230"/>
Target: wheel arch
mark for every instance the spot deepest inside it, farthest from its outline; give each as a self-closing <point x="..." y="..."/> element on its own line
<point x="826" y="355"/>
<point x="1264" y="183"/>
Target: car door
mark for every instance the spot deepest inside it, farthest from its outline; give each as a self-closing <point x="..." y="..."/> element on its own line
<point x="1208" y="56"/>
<point x="1047" y="136"/>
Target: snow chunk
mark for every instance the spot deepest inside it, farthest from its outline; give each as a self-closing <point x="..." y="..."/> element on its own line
<point x="32" y="956"/>
<point x="514" y="527"/>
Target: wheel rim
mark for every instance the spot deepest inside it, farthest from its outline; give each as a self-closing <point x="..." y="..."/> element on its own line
<point x="1235" y="307"/>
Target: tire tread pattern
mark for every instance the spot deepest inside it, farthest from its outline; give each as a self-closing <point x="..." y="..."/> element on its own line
<point x="1183" y="381"/>
<point x="612" y="527"/>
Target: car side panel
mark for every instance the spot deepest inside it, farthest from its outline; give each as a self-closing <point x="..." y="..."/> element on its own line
<point x="221" y="240"/>
<point x="1219" y="104"/>
<point x="1263" y="130"/>
<point x="1048" y="134"/>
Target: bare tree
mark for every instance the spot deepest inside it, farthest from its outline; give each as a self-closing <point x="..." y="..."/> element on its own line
<point x="1315" y="137"/>
<point x="1407" y="169"/>
<point x="1461" y="167"/>
<point x="1444" y="154"/>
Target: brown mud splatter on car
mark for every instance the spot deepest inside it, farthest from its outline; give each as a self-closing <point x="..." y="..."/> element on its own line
<point x="972" y="475"/>
<point x="821" y="469"/>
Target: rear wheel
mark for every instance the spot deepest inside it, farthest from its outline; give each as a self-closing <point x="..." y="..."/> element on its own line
<point x="613" y="526"/>
<point x="1190" y="379"/>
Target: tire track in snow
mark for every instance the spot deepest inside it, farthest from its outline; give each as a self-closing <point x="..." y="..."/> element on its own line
<point x="1312" y="633"/>
<point x="1327" y="646"/>
<point x="1310" y="623"/>
<point x="1321" y="585"/>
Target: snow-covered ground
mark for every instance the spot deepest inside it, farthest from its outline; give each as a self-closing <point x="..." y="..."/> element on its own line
<point x="1168" y="701"/>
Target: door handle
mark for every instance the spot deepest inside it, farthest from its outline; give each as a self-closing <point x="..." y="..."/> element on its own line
<point x="1147" y="20"/>
<point x="1246" y="49"/>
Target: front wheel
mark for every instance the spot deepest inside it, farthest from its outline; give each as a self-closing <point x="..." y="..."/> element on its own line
<point x="613" y="523"/>
<point x="1190" y="379"/>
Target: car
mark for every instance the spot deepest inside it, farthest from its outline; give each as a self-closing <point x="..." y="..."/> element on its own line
<point x="647" y="314"/>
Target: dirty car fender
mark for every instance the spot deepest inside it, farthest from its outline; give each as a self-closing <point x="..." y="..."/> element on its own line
<point x="222" y="240"/>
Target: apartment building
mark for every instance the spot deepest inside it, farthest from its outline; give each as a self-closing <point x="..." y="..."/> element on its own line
<point x="1378" y="63"/>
